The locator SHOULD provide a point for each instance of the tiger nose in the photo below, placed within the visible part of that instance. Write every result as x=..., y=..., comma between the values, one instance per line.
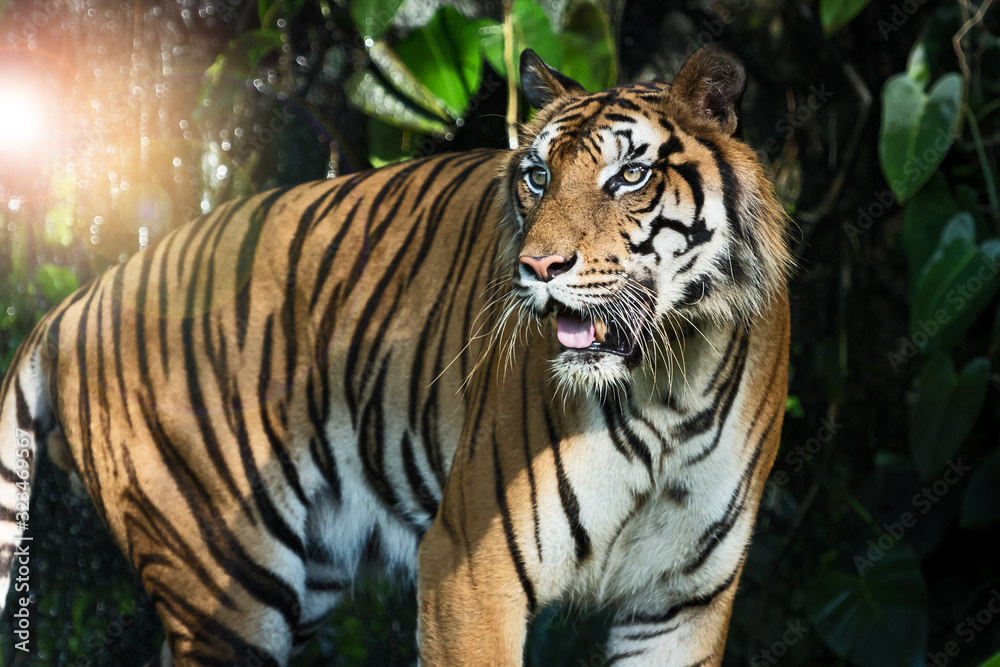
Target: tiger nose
x=547, y=268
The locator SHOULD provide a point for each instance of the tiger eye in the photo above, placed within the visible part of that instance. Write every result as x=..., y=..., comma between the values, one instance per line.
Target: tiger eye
x=633, y=174
x=538, y=177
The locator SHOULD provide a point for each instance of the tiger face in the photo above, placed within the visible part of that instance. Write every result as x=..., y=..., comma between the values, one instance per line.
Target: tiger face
x=637, y=213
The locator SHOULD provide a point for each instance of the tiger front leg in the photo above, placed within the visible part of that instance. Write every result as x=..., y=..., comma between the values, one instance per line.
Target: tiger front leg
x=473, y=605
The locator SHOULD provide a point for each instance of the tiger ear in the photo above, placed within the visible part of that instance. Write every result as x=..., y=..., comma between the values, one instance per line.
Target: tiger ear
x=711, y=83
x=542, y=84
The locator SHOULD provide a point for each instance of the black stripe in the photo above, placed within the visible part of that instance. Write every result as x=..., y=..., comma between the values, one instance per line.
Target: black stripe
x=164, y=254
x=366, y=321
x=117, y=294
x=727, y=395
x=612, y=659
x=89, y=472
x=269, y=514
x=245, y=261
x=620, y=118
x=416, y=481
x=528, y=461
x=638, y=618
x=371, y=450
x=328, y=462
x=330, y=254
x=508, y=530
x=262, y=584
x=278, y=448
x=730, y=188
x=22, y=411
x=207, y=633
x=567, y=497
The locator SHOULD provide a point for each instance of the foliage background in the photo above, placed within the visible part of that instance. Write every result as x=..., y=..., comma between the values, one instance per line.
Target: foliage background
x=876, y=542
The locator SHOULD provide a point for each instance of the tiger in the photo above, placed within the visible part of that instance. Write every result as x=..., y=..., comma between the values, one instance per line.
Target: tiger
x=552, y=374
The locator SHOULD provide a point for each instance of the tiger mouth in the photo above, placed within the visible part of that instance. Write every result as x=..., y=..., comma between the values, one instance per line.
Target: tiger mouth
x=577, y=330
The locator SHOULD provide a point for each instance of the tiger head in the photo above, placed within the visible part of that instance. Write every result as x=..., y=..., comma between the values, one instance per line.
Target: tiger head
x=635, y=212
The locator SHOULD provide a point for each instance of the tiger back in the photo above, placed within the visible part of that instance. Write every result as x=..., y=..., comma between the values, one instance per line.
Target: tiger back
x=524, y=377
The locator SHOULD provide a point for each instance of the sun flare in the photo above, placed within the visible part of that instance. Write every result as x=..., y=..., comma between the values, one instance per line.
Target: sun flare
x=22, y=118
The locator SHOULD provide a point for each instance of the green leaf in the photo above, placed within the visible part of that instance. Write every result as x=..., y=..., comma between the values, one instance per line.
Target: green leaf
x=367, y=93
x=968, y=200
x=531, y=30
x=793, y=406
x=55, y=282
x=945, y=411
x=835, y=14
x=877, y=619
x=257, y=44
x=588, y=48
x=992, y=662
x=918, y=66
x=917, y=130
x=923, y=221
x=388, y=144
x=955, y=285
x=373, y=17
x=444, y=56
x=399, y=75
x=981, y=502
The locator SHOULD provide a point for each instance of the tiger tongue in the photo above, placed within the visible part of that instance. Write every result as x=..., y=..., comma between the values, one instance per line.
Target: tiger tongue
x=575, y=331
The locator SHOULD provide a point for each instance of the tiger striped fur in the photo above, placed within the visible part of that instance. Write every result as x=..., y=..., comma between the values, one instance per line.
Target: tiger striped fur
x=364, y=371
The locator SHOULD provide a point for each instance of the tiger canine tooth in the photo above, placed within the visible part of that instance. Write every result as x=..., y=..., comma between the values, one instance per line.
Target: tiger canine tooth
x=600, y=329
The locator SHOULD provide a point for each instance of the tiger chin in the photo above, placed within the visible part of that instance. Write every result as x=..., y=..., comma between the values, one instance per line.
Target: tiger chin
x=551, y=374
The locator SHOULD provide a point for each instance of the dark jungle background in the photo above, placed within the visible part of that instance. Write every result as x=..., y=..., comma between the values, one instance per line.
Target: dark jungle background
x=876, y=543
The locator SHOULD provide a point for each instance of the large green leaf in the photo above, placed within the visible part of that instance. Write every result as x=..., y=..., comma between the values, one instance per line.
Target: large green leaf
x=388, y=144
x=878, y=619
x=945, y=412
x=917, y=129
x=531, y=30
x=55, y=282
x=923, y=221
x=445, y=56
x=367, y=93
x=956, y=284
x=373, y=16
x=835, y=14
x=981, y=502
x=588, y=48
x=398, y=73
